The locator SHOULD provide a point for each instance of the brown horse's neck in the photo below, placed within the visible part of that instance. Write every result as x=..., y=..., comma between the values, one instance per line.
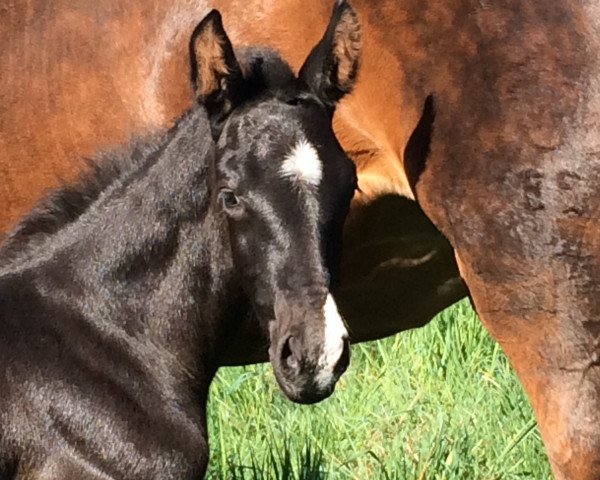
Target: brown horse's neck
x=144, y=91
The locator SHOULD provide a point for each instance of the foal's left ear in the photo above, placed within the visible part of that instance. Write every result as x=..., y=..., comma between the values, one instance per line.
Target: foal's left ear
x=216, y=73
x=332, y=67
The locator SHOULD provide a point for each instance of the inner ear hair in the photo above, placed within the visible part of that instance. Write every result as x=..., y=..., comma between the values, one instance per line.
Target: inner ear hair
x=347, y=44
x=212, y=57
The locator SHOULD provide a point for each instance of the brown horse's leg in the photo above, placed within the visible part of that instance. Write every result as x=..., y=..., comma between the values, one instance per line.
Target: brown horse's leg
x=524, y=223
x=545, y=318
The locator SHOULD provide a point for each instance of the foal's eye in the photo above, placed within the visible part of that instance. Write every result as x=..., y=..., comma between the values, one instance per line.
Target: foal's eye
x=228, y=198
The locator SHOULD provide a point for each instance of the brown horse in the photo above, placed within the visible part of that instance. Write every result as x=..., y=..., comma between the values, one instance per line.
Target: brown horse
x=485, y=112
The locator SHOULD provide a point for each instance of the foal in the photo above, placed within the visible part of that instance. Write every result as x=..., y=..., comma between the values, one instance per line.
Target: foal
x=117, y=296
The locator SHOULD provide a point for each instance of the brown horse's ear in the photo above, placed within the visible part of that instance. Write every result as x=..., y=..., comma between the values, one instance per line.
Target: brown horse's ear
x=332, y=67
x=215, y=70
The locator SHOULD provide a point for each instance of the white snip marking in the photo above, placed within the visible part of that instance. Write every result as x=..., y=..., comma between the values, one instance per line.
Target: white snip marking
x=335, y=336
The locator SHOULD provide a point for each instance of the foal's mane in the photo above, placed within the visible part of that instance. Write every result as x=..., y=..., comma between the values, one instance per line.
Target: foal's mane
x=263, y=70
x=69, y=201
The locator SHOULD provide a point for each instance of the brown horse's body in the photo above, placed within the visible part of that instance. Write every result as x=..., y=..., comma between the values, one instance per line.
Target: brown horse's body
x=486, y=111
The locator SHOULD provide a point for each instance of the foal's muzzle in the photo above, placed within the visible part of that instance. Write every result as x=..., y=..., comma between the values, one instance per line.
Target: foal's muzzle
x=309, y=350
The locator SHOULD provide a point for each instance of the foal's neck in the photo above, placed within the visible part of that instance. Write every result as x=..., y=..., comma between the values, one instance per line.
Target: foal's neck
x=149, y=262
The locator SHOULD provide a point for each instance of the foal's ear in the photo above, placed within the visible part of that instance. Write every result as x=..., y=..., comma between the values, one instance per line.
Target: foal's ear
x=331, y=68
x=216, y=74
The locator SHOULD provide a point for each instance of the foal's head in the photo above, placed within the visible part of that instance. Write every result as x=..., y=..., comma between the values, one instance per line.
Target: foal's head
x=284, y=185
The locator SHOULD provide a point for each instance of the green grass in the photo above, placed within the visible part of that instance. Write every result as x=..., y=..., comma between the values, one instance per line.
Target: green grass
x=440, y=402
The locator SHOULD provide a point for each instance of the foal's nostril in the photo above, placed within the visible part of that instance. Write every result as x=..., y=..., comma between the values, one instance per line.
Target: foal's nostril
x=289, y=357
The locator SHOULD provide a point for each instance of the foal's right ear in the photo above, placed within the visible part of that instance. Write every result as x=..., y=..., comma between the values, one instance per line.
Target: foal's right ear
x=216, y=73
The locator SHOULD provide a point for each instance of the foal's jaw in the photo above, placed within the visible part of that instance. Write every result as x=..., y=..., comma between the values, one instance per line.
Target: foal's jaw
x=310, y=349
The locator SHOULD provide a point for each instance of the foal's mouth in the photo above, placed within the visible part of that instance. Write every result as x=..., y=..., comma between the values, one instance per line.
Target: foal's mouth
x=307, y=383
x=310, y=349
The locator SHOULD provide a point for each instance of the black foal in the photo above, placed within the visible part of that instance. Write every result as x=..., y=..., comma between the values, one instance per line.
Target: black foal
x=117, y=295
